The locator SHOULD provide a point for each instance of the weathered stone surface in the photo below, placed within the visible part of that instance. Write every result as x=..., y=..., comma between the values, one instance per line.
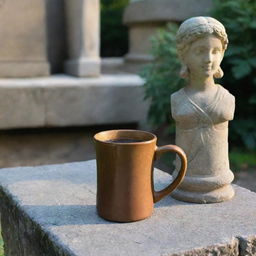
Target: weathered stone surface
x=23, y=51
x=83, y=38
x=247, y=246
x=54, y=208
x=67, y=101
x=21, y=105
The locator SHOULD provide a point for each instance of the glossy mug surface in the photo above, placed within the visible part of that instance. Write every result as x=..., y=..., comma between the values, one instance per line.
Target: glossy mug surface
x=125, y=186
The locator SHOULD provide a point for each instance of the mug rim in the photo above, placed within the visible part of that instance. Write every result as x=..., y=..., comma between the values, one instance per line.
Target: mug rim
x=147, y=141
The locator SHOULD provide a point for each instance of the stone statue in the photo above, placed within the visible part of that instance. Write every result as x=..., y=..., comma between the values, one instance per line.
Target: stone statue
x=201, y=111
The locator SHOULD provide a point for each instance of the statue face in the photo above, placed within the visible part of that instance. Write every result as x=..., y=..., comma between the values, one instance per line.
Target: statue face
x=204, y=56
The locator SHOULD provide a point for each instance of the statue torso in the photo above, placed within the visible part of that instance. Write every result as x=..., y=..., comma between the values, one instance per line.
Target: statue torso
x=201, y=129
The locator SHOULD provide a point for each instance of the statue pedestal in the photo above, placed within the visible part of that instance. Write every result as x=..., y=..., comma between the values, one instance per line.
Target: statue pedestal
x=203, y=189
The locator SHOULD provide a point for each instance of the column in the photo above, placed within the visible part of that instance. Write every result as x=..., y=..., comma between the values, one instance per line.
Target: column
x=83, y=38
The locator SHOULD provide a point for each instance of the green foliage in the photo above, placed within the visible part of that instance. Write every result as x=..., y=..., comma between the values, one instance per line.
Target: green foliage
x=162, y=77
x=239, y=64
x=114, y=35
x=242, y=159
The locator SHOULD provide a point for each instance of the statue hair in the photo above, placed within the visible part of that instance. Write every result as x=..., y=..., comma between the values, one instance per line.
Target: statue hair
x=194, y=28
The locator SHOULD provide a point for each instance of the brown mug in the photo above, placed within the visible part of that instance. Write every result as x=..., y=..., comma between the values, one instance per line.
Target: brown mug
x=125, y=186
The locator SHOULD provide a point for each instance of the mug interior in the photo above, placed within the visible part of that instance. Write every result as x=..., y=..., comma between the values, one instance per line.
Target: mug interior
x=113, y=136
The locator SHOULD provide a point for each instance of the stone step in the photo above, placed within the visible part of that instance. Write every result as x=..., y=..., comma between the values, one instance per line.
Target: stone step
x=62, y=100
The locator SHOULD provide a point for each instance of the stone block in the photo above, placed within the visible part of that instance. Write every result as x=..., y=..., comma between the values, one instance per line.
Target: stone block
x=50, y=210
x=139, y=48
x=63, y=100
x=164, y=10
x=108, y=99
x=23, y=51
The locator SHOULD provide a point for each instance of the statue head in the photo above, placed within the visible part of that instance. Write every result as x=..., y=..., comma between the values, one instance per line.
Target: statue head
x=197, y=28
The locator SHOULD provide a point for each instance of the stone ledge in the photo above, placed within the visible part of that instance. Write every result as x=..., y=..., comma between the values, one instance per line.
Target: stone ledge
x=24, y=69
x=164, y=10
x=50, y=210
x=63, y=100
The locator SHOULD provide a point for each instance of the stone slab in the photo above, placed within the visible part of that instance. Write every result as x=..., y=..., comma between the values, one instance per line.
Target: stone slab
x=21, y=106
x=63, y=100
x=23, y=51
x=50, y=210
x=164, y=10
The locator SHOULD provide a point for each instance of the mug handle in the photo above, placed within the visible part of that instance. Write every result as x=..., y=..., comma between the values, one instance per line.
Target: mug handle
x=158, y=195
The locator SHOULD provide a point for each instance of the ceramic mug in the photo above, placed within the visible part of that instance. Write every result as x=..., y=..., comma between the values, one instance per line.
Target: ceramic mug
x=125, y=186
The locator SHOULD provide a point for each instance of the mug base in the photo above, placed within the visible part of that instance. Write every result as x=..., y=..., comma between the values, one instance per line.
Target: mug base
x=122, y=219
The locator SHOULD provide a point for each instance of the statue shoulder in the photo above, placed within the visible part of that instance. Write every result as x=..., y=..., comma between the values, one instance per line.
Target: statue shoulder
x=176, y=96
x=226, y=93
x=228, y=100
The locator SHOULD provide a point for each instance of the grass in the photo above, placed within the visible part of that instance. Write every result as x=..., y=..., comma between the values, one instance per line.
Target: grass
x=242, y=159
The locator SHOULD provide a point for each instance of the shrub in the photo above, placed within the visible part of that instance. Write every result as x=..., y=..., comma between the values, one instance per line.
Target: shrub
x=114, y=35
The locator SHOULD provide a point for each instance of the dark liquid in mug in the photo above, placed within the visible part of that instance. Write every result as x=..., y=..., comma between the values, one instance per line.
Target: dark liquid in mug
x=123, y=141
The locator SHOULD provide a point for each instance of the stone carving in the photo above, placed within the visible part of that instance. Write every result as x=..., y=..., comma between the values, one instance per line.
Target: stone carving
x=201, y=111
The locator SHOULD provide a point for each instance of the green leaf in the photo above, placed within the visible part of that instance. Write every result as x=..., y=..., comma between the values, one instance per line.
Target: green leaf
x=252, y=61
x=241, y=70
x=253, y=24
x=252, y=100
x=250, y=140
x=234, y=50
